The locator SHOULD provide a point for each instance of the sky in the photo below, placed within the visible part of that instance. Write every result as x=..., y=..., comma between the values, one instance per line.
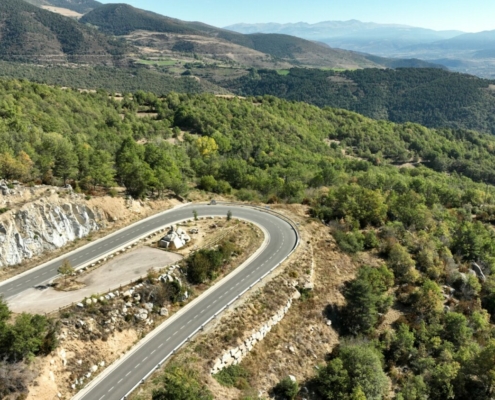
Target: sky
x=464, y=15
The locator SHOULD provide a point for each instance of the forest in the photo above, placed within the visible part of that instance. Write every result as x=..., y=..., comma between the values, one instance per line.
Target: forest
x=431, y=97
x=420, y=200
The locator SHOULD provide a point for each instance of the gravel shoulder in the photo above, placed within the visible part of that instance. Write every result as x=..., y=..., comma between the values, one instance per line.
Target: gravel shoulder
x=118, y=272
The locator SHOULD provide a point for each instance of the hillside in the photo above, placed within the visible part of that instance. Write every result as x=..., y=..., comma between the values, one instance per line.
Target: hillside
x=79, y=6
x=403, y=265
x=32, y=34
x=431, y=97
x=354, y=35
x=205, y=40
x=471, y=53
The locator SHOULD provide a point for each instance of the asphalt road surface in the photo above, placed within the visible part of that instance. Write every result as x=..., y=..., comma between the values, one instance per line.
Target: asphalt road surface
x=121, y=378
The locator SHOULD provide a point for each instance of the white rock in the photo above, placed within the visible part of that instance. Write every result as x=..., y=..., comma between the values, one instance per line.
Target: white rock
x=43, y=227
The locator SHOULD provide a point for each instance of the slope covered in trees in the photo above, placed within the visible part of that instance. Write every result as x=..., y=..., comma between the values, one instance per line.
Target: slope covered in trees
x=428, y=230
x=80, y=6
x=431, y=97
x=265, y=145
x=32, y=34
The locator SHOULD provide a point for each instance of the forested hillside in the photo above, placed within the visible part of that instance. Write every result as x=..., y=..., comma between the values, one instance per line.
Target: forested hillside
x=421, y=201
x=80, y=6
x=431, y=97
x=32, y=34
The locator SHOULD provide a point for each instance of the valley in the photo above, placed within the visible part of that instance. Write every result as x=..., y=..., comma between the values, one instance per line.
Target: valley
x=267, y=211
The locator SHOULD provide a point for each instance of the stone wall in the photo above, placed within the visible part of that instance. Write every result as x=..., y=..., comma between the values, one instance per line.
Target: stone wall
x=235, y=355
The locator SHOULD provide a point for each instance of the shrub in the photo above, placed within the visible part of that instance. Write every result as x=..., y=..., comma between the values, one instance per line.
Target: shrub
x=233, y=376
x=351, y=242
x=286, y=389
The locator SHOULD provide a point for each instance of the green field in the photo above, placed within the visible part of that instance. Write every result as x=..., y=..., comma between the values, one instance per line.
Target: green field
x=283, y=72
x=161, y=63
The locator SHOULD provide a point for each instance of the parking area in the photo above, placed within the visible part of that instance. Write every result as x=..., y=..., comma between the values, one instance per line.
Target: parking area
x=120, y=271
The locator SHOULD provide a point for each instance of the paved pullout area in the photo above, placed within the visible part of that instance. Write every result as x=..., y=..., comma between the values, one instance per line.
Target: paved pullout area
x=119, y=379
x=120, y=271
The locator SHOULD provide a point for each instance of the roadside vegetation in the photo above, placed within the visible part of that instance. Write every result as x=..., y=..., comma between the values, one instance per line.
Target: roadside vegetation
x=420, y=200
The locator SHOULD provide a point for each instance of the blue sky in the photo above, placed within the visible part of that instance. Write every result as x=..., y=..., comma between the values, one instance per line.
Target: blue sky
x=465, y=15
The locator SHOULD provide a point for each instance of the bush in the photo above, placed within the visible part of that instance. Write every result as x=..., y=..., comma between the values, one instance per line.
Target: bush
x=371, y=240
x=351, y=242
x=286, y=389
x=181, y=384
x=233, y=376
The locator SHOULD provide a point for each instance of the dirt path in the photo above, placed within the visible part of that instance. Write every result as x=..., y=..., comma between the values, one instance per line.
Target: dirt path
x=118, y=272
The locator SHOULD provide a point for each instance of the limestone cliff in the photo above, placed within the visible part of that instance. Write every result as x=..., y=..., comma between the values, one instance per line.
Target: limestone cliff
x=45, y=224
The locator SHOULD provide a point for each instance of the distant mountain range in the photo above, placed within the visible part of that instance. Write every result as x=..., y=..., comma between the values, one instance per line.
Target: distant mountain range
x=122, y=19
x=464, y=52
x=369, y=37
x=103, y=32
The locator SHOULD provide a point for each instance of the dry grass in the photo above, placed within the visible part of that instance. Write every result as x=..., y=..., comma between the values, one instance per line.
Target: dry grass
x=302, y=339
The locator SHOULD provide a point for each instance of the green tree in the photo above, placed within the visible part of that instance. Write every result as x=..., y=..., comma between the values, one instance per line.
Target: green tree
x=366, y=297
x=401, y=262
x=357, y=366
x=100, y=168
x=286, y=389
x=333, y=381
x=65, y=270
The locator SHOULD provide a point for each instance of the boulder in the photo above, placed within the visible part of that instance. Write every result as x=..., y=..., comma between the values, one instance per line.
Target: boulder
x=148, y=306
x=141, y=315
x=164, y=312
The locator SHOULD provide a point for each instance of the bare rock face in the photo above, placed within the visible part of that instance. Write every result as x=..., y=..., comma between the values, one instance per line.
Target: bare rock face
x=44, y=225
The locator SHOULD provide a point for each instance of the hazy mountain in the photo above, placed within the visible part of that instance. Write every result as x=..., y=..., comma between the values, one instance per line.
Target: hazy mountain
x=355, y=35
x=472, y=53
x=79, y=6
x=122, y=19
x=189, y=37
x=30, y=33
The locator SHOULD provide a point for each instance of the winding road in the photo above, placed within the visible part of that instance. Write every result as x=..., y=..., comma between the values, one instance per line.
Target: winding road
x=126, y=374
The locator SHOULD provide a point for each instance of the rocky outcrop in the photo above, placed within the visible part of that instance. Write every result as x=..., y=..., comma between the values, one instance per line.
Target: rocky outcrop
x=45, y=225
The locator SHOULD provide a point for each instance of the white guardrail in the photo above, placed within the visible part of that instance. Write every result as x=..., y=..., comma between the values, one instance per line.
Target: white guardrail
x=159, y=365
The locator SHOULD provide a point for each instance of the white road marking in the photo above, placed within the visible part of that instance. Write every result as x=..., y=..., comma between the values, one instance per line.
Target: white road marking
x=144, y=359
x=128, y=373
x=111, y=389
x=162, y=343
x=120, y=380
